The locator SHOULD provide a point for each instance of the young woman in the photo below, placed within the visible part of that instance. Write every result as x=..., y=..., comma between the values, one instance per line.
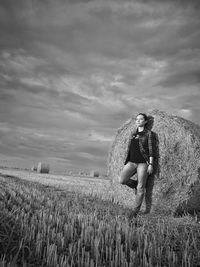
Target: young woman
x=139, y=159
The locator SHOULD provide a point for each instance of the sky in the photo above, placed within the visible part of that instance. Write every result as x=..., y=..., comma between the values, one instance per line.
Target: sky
x=72, y=72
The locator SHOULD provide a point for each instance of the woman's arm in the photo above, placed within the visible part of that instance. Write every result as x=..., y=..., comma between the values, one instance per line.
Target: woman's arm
x=150, y=166
x=151, y=153
x=150, y=144
x=151, y=160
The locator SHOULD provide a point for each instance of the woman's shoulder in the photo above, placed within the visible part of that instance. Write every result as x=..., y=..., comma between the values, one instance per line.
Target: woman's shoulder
x=148, y=131
x=134, y=132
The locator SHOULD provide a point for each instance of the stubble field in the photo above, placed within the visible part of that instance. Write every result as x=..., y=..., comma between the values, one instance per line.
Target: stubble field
x=49, y=220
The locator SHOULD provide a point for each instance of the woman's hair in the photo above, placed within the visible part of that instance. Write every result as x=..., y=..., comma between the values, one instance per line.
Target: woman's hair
x=144, y=115
x=146, y=119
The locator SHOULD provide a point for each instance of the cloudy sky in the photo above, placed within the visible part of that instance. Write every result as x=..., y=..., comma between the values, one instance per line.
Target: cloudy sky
x=72, y=72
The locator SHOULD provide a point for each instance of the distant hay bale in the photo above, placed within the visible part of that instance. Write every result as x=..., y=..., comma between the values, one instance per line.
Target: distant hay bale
x=94, y=173
x=43, y=167
x=70, y=173
x=33, y=168
x=175, y=184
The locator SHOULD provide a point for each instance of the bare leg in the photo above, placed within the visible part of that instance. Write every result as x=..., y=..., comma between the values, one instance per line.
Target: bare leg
x=142, y=178
x=128, y=171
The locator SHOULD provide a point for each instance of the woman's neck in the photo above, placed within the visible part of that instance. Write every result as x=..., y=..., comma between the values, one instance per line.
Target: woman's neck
x=140, y=129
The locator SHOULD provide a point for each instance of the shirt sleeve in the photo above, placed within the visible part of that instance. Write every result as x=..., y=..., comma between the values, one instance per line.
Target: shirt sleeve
x=150, y=144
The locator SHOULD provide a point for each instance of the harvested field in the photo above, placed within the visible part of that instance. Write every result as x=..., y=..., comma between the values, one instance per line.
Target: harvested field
x=84, y=184
x=87, y=185
x=42, y=225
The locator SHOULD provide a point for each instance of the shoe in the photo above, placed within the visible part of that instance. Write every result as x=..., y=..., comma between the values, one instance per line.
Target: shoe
x=132, y=183
x=132, y=215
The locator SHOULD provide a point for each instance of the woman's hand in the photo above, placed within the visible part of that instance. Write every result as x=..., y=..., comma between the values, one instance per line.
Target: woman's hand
x=150, y=169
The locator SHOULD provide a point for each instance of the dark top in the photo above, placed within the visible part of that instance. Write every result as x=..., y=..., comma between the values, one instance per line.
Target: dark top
x=134, y=152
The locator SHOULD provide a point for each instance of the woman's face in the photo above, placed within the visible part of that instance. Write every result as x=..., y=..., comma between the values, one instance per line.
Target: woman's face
x=140, y=121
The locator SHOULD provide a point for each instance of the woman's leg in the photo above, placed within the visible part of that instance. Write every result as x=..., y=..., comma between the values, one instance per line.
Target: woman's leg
x=128, y=171
x=142, y=178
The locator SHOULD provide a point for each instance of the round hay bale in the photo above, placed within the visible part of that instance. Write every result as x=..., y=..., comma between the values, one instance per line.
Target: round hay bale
x=33, y=168
x=94, y=173
x=175, y=183
x=43, y=167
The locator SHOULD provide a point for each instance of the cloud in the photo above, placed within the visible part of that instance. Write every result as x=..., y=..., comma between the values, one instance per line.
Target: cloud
x=186, y=113
x=182, y=70
x=72, y=72
x=184, y=79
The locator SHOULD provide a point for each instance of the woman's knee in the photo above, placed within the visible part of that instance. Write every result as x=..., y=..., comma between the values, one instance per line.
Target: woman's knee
x=122, y=178
x=128, y=171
